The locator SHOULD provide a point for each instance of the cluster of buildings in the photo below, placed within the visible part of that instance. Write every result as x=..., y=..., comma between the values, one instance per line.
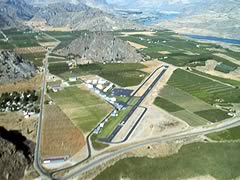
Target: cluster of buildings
x=24, y=102
x=105, y=89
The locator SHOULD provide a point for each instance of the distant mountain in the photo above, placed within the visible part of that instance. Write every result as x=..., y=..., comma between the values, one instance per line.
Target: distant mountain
x=219, y=18
x=101, y=4
x=13, y=12
x=101, y=47
x=205, y=17
x=81, y=17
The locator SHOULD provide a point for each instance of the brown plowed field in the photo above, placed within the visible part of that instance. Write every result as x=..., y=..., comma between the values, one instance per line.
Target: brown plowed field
x=59, y=135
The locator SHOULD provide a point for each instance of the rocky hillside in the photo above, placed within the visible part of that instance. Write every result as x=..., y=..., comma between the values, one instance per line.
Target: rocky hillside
x=81, y=17
x=219, y=18
x=101, y=47
x=14, y=12
x=16, y=154
x=14, y=68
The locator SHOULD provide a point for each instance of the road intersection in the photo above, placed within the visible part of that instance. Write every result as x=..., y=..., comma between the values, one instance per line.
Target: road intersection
x=92, y=162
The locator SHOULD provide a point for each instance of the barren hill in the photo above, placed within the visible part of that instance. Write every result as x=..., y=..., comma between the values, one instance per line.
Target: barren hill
x=101, y=47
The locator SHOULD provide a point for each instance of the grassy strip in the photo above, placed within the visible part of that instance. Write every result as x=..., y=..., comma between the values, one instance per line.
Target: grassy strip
x=113, y=122
x=230, y=134
x=167, y=105
x=97, y=145
x=198, y=159
x=213, y=115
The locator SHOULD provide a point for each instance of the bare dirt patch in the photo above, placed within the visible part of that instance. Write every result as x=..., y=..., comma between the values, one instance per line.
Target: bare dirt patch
x=217, y=50
x=16, y=121
x=210, y=69
x=202, y=178
x=41, y=24
x=224, y=56
x=30, y=50
x=151, y=66
x=60, y=136
x=48, y=44
x=165, y=52
x=31, y=84
x=157, y=122
x=137, y=46
x=146, y=33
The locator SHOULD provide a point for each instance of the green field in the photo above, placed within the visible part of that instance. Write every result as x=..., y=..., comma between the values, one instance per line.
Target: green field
x=125, y=74
x=97, y=145
x=224, y=68
x=113, y=122
x=188, y=104
x=205, y=89
x=190, y=118
x=213, y=115
x=167, y=105
x=54, y=60
x=198, y=159
x=224, y=80
x=20, y=39
x=35, y=58
x=82, y=107
x=6, y=45
x=65, y=37
x=230, y=134
x=183, y=51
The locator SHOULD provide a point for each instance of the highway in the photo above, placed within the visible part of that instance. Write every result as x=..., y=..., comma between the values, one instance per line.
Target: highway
x=37, y=154
x=204, y=130
x=91, y=162
x=126, y=118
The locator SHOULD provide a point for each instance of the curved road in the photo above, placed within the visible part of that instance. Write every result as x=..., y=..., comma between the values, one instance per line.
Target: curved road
x=177, y=136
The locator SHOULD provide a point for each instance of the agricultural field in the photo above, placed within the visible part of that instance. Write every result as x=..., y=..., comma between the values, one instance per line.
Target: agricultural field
x=19, y=38
x=60, y=136
x=177, y=49
x=220, y=161
x=121, y=74
x=188, y=98
x=230, y=134
x=167, y=105
x=184, y=105
x=225, y=68
x=224, y=80
x=213, y=115
x=56, y=60
x=203, y=88
x=82, y=107
x=65, y=37
x=35, y=58
x=6, y=45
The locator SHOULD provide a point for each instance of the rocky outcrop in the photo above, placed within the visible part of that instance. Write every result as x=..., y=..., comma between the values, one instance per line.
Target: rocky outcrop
x=14, y=12
x=16, y=154
x=14, y=68
x=101, y=47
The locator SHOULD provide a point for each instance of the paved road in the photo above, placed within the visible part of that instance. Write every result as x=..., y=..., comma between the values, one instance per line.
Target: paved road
x=37, y=154
x=126, y=118
x=91, y=164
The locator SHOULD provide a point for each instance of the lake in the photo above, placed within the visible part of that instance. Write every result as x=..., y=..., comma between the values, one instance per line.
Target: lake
x=212, y=38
